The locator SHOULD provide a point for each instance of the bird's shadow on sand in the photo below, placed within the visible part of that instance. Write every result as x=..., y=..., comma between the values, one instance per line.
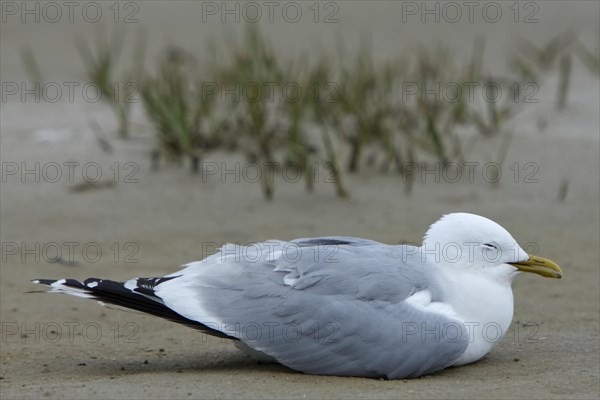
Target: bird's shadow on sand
x=226, y=362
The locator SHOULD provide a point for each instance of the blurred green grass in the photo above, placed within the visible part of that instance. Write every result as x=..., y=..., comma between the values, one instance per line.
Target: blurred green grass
x=312, y=110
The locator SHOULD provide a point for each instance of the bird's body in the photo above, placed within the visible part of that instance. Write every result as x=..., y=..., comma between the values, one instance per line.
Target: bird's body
x=345, y=306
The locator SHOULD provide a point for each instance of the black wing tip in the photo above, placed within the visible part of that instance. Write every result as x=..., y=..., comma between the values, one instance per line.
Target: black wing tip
x=112, y=292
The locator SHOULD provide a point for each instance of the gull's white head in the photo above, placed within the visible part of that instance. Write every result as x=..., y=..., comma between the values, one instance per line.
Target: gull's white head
x=472, y=242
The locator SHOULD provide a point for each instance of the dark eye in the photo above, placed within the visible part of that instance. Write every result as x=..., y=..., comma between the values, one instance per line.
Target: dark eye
x=490, y=246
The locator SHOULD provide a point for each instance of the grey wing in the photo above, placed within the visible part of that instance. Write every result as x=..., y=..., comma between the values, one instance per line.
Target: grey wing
x=339, y=313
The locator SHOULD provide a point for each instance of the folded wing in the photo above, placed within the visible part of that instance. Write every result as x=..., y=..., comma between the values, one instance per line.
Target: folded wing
x=335, y=305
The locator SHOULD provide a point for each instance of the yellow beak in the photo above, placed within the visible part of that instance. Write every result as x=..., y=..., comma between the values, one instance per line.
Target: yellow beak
x=540, y=266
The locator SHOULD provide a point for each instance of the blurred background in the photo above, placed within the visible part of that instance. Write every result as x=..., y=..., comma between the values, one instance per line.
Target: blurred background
x=137, y=136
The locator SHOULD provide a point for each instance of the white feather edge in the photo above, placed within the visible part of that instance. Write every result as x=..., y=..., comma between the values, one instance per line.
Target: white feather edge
x=59, y=287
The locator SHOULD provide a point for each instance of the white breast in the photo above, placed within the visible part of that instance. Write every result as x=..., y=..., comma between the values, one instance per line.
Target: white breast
x=485, y=307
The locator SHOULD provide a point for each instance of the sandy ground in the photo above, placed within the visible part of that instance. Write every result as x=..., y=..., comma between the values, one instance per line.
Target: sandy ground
x=59, y=347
